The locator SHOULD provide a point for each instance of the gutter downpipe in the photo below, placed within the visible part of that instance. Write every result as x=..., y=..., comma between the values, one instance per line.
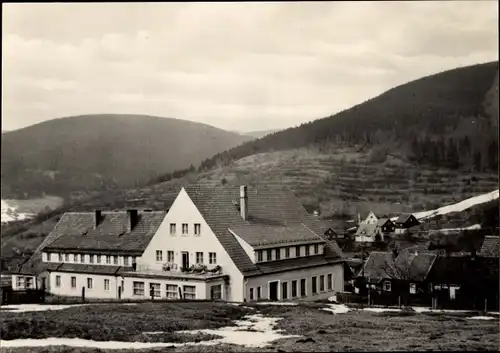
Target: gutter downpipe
x=245, y=290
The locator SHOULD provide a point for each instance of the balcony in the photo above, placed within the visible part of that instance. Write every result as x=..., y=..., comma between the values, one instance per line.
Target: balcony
x=172, y=270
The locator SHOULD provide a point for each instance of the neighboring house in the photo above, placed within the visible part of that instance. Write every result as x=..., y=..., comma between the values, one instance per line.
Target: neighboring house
x=385, y=225
x=328, y=231
x=369, y=218
x=407, y=273
x=228, y=243
x=405, y=222
x=490, y=247
x=367, y=233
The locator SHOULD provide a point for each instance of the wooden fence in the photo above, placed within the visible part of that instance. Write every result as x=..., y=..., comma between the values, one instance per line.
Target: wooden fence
x=28, y=296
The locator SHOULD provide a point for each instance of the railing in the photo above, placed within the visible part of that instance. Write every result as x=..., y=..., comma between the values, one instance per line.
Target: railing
x=173, y=267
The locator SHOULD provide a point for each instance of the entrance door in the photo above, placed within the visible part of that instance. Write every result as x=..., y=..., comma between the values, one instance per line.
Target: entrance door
x=185, y=259
x=273, y=290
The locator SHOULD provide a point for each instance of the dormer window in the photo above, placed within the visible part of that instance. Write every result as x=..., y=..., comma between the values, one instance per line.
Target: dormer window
x=308, y=250
x=278, y=254
x=297, y=251
x=316, y=249
x=287, y=253
x=269, y=254
x=259, y=255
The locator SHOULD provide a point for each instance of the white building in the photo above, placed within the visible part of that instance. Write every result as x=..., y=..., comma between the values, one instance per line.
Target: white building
x=245, y=244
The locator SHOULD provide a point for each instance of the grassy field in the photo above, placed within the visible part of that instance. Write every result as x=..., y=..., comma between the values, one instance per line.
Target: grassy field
x=319, y=330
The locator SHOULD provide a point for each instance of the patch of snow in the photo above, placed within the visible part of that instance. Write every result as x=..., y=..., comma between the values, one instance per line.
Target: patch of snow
x=337, y=308
x=473, y=227
x=333, y=298
x=481, y=318
x=262, y=334
x=457, y=207
x=25, y=308
x=9, y=213
x=381, y=310
x=419, y=309
x=277, y=303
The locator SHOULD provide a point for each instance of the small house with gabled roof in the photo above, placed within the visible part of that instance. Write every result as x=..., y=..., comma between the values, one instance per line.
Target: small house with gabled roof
x=405, y=222
x=215, y=242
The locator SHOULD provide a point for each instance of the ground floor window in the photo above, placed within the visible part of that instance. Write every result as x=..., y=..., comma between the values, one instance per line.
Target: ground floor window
x=106, y=284
x=284, y=290
x=413, y=288
x=329, y=281
x=90, y=283
x=251, y=294
x=387, y=286
x=216, y=292
x=58, y=281
x=303, y=292
x=189, y=292
x=20, y=282
x=294, y=289
x=154, y=290
x=138, y=288
x=73, y=282
x=321, y=283
x=259, y=294
x=172, y=291
x=29, y=283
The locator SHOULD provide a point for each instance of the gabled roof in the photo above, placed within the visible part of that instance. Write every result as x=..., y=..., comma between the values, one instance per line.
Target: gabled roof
x=490, y=247
x=377, y=265
x=258, y=235
x=383, y=221
x=406, y=266
x=364, y=215
x=325, y=224
x=75, y=231
x=403, y=218
x=366, y=229
x=267, y=206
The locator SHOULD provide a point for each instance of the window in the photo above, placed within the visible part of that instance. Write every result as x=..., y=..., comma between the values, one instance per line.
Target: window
x=387, y=286
x=284, y=290
x=91, y=259
x=115, y=260
x=66, y=257
x=125, y=261
x=154, y=290
x=297, y=251
x=199, y=257
x=58, y=281
x=307, y=250
x=73, y=282
x=20, y=282
x=138, y=288
x=314, y=285
x=108, y=259
x=413, y=288
x=49, y=256
x=287, y=253
x=90, y=283
x=321, y=283
x=29, y=282
x=185, y=228
x=216, y=292
x=316, y=249
x=172, y=291
x=106, y=284
x=60, y=258
x=251, y=294
x=159, y=255
x=278, y=254
x=212, y=258
x=172, y=229
x=329, y=281
x=303, y=291
x=294, y=289
x=98, y=259
x=269, y=254
x=259, y=255
x=258, y=293
x=197, y=229
x=77, y=257
x=189, y=292
x=170, y=256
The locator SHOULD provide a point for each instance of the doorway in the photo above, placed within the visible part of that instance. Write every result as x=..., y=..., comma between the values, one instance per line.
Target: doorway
x=273, y=290
x=185, y=259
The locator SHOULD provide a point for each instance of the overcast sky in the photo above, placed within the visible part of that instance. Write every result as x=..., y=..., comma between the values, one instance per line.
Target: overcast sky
x=237, y=66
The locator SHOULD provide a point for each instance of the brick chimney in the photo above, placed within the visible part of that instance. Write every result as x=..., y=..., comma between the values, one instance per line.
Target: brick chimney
x=97, y=218
x=244, y=202
x=132, y=218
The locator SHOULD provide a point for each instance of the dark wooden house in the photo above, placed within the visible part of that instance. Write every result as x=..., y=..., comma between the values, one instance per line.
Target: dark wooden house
x=405, y=222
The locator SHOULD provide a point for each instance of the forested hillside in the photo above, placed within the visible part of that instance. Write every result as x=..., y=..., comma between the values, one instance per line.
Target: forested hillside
x=447, y=119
